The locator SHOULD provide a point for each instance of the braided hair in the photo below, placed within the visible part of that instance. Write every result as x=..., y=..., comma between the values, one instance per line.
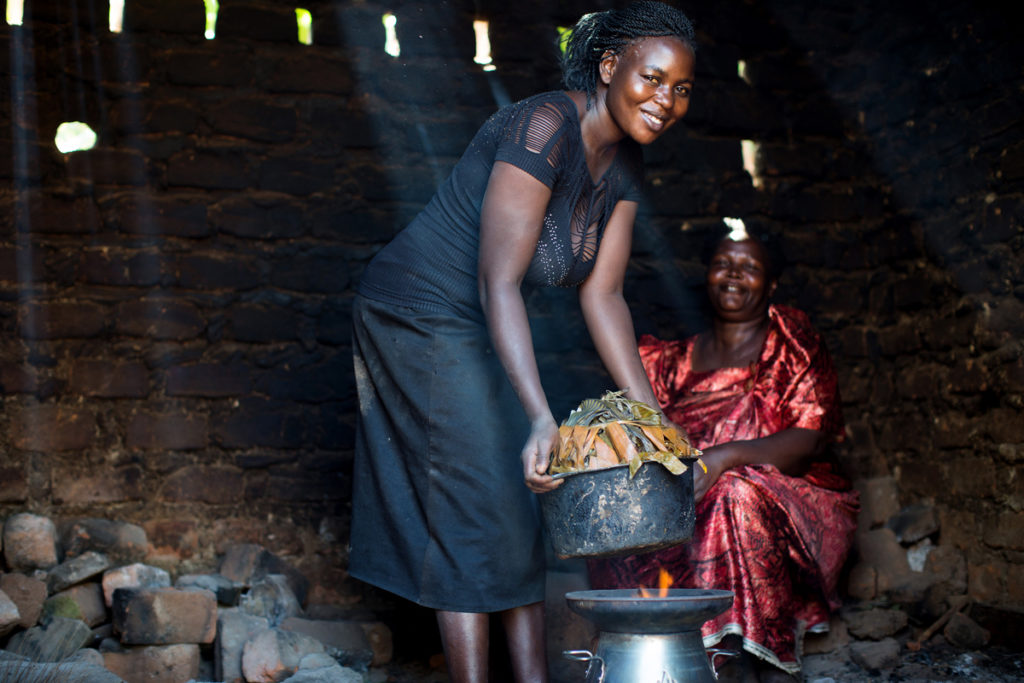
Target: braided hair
x=612, y=31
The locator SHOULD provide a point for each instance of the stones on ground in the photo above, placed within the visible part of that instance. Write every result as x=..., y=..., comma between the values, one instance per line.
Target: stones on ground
x=271, y=597
x=247, y=563
x=29, y=542
x=28, y=594
x=875, y=624
x=60, y=638
x=234, y=629
x=164, y=616
x=914, y=523
x=121, y=542
x=318, y=668
x=88, y=597
x=10, y=617
x=135, y=575
x=75, y=672
x=837, y=636
x=155, y=663
x=345, y=641
x=76, y=570
x=875, y=654
x=963, y=632
x=227, y=591
x=273, y=655
x=381, y=642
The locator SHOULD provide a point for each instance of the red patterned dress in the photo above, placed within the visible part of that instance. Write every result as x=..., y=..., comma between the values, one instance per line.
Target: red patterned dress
x=778, y=542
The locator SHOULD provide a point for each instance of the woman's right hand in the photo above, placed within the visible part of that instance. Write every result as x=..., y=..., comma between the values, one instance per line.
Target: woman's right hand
x=715, y=459
x=536, y=455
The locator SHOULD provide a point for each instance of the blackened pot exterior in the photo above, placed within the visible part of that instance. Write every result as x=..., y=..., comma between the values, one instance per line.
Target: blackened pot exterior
x=601, y=513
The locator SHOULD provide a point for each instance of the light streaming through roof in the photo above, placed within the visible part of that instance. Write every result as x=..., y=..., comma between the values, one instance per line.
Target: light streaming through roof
x=74, y=136
x=304, y=18
x=737, y=230
x=483, y=45
x=750, y=149
x=115, y=16
x=15, y=12
x=212, y=6
x=391, y=45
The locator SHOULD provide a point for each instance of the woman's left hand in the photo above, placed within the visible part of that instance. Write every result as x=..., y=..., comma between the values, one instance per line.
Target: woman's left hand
x=536, y=456
x=715, y=459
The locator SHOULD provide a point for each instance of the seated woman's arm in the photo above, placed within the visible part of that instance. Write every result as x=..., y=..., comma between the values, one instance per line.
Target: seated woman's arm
x=789, y=450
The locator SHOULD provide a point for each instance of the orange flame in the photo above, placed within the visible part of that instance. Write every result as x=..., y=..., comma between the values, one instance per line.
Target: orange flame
x=664, y=583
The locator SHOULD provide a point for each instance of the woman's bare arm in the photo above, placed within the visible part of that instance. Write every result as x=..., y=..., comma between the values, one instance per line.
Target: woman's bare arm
x=510, y=226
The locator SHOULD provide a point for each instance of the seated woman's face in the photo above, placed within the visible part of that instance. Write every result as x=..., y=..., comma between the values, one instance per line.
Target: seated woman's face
x=737, y=280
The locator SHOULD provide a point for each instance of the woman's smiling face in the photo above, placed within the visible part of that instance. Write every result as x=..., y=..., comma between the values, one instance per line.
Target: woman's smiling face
x=649, y=86
x=738, y=282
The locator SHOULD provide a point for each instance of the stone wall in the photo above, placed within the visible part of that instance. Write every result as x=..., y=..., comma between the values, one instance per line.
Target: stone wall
x=174, y=303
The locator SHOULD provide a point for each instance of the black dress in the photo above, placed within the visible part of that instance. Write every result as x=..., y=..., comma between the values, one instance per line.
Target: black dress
x=441, y=515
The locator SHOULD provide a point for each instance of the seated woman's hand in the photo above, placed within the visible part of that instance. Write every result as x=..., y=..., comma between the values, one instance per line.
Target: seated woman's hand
x=716, y=459
x=536, y=455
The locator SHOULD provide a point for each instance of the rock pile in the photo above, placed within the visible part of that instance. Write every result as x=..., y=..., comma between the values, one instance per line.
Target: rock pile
x=902, y=589
x=81, y=606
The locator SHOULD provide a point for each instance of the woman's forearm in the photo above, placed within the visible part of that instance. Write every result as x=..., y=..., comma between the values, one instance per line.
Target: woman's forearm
x=611, y=329
x=788, y=450
x=509, y=329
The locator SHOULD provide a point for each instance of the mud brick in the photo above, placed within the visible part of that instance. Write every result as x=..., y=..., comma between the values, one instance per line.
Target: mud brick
x=121, y=268
x=109, y=166
x=250, y=22
x=135, y=575
x=17, y=378
x=301, y=177
x=307, y=74
x=880, y=654
x=208, y=170
x=972, y=477
x=213, y=485
x=53, y=428
x=164, y=616
x=63, y=216
x=122, y=542
x=155, y=664
x=210, y=380
x=167, y=432
x=862, y=583
x=254, y=118
x=255, y=423
x=259, y=218
x=880, y=549
x=29, y=542
x=985, y=581
x=15, y=488
x=179, y=216
x=318, y=273
x=89, y=599
x=914, y=523
x=176, y=539
x=1004, y=425
x=879, y=500
x=27, y=593
x=217, y=271
x=963, y=632
x=260, y=324
x=234, y=629
x=62, y=320
x=160, y=319
x=109, y=379
x=207, y=67
x=76, y=570
x=114, y=485
x=18, y=264
x=1004, y=530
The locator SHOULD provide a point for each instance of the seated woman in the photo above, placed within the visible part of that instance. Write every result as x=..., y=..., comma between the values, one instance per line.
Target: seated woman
x=757, y=393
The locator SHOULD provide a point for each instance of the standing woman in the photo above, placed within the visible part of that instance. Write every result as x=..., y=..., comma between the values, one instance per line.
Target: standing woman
x=449, y=391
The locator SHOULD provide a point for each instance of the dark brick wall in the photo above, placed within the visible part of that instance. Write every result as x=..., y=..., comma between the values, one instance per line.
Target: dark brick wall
x=174, y=303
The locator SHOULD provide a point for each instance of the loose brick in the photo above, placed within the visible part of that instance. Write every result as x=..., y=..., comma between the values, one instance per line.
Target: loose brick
x=15, y=488
x=210, y=380
x=273, y=655
x=167, y=431
x=76, y=569
x=247, y=563
x=213, y=485
x=160, y=319
x=345, y=641
x=109, y=379
x=10, y=617
x=234, y=629
x=155, y=664
x=29, y=542
x=175, y=539
x=89, y=599
x=135, y=575
x=59, y=639
x=28, y=593
x=164, y=616
x=121, y=542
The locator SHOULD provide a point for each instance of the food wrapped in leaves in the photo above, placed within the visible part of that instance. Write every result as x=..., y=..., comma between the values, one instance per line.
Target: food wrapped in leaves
x=614, y=430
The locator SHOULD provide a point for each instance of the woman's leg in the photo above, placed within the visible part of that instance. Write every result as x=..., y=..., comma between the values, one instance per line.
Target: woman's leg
x=464, y=636
x=524, y=627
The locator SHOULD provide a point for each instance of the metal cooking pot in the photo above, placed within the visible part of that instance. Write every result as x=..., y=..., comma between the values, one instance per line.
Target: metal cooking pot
x=600, y=513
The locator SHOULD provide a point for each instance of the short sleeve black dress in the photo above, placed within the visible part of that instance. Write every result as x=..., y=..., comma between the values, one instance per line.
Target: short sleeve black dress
x=441, y=515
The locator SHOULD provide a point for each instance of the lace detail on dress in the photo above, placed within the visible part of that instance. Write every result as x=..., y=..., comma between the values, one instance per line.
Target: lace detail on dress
x=537, y=131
